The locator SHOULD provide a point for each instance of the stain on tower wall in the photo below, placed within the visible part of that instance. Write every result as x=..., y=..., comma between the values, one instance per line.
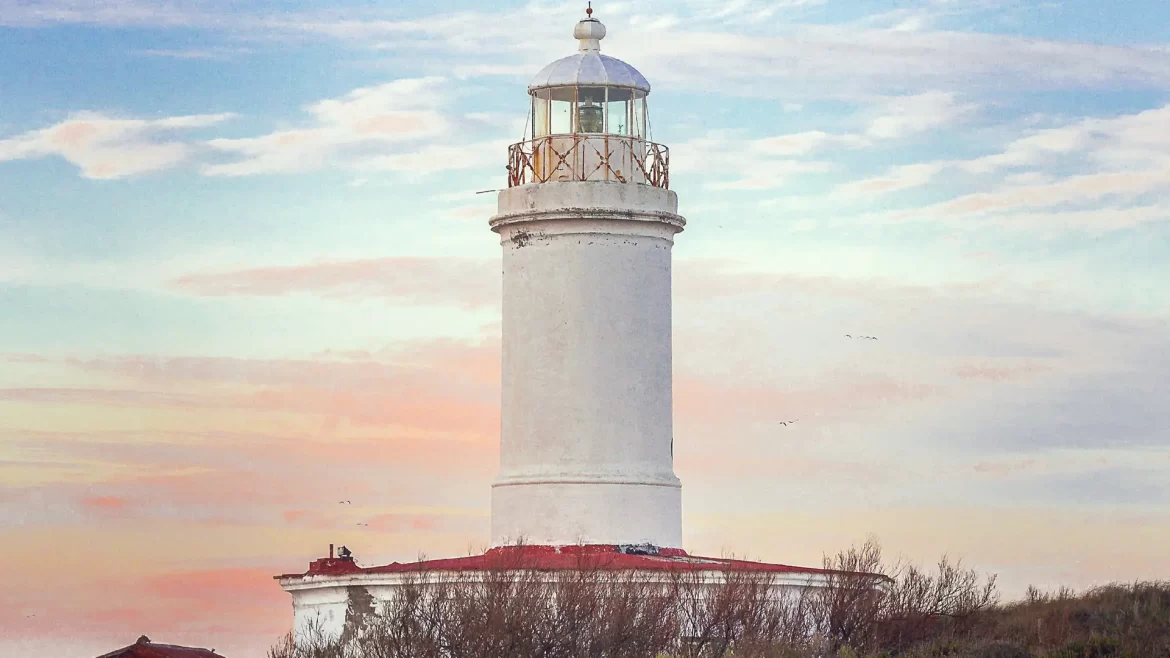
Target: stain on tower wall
x=359, y=612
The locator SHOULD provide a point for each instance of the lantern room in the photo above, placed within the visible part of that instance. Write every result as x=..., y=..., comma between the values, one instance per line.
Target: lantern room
x=588, y=120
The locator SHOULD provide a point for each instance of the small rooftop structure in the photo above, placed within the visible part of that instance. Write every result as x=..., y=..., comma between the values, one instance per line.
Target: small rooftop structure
x=144, y=648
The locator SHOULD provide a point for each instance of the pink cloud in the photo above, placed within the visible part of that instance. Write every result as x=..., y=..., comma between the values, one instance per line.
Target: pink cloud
x=295, y=515
x=700, y=399
x=250, y=585
x=400, y=522
x=105, y=503
x=467, y=283
x=443, y=385
x=104, y=147
x=111, y=397
x=221, y=608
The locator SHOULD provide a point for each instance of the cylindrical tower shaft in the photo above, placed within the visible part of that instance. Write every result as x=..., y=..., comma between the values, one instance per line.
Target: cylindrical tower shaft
x=586, y=440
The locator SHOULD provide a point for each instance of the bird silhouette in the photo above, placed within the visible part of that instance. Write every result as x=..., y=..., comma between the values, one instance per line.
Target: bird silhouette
x=848, y=336
x=343, y=502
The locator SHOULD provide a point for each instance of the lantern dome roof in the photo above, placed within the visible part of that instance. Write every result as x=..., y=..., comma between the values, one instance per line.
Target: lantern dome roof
x=589, y=68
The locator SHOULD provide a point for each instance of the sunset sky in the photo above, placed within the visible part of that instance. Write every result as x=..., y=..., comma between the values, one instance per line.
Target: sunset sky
x=244, y=274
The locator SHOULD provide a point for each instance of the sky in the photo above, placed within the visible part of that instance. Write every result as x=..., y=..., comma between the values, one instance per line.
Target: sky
x=245, y=274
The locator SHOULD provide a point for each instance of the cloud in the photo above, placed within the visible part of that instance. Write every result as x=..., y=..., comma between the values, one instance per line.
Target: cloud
x=1093, y=174
x=902, y=177
x=899, y=117
x=34, y=13
x=1123, y=141
x=392, y=126
x=729, y=47
x=105, y=503
x=467, y=283
x=769, y=162
x=806, y=142
x=439, y=388
x=212, y=53
x=398, y=126
x=102, y=396
x=1080, y=189
x=109, y=148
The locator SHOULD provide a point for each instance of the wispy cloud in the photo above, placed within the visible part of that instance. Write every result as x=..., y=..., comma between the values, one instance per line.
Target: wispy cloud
x=418, y=280
x=105, y=147
x=902, y=116
x=363, y=124
x=703, y=44
x=211, y=53
x=769, y=162
x=33, y=13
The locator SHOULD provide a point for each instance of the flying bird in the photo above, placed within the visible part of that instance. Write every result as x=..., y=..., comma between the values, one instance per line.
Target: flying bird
x=343, y=502
x=786, y=423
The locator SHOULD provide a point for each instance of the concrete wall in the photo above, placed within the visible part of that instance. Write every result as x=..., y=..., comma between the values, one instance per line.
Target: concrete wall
x=586, y=436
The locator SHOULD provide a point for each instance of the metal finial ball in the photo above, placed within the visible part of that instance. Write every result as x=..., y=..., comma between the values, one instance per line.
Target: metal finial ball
x=589, y=9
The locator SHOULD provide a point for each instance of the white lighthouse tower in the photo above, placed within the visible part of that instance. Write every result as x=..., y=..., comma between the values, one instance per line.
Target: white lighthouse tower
x=586, y=445
x=587, y=226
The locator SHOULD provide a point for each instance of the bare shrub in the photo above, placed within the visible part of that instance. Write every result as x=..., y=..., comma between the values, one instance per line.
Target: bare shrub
x=594, y=612
x=1134, y=616
x=311, y=642
x=847, y=609
x=919, y=605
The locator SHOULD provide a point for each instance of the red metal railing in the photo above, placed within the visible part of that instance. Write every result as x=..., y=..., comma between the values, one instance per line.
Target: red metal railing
x=583, y=157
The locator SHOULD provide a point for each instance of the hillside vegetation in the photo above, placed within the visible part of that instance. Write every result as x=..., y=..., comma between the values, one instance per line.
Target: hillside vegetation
x=944, y=611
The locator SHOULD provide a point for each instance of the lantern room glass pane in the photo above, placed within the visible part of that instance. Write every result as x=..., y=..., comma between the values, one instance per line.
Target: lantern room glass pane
x=617, y=118
x=591, y=109
x=540, y=115
x=560, y=117
x=638, y=128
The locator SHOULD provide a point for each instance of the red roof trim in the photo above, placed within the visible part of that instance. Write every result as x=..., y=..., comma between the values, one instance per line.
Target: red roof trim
x=557, y=558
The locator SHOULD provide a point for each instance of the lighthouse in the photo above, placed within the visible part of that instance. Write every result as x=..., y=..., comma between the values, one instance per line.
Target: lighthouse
x=586, y=226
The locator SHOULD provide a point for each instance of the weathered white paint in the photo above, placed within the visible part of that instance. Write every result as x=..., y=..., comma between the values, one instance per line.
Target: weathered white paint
x=318, y=604
x=585, y=444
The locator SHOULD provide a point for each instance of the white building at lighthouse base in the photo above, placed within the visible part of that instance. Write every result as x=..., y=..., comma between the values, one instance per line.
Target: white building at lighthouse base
x=324, y=596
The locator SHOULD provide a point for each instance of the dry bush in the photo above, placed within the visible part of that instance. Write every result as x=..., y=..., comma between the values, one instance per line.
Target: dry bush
x=847, y=609
x=940, y=606
x=594, y=612
x=1135, y=616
